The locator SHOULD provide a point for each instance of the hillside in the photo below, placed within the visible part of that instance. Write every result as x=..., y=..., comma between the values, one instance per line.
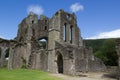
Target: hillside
x=104, y=49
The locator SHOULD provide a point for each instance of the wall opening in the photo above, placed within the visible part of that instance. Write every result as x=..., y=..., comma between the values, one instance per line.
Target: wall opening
x=32, y=21
x=64, y=33
x=43, y=41
x=45, y=27
x=60, y=63
x=45, y=22
x=71, y=33
x=7, y=54
x=0, y=52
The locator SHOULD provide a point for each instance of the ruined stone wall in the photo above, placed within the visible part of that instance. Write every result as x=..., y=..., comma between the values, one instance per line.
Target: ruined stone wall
x=41, y=29
x=25, y=31
x=68, y=58
x=38, y=57
x=38, y=60
x=65, y=52
x=94, y=63
x=4, y=52
x=17, y=56
x=85, y=61
x=80, y=63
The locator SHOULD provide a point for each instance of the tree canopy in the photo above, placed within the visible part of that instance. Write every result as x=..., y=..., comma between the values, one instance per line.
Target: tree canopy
x=104, y=49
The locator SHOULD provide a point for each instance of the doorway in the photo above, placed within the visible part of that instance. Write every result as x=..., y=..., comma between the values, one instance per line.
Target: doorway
x=60, y=63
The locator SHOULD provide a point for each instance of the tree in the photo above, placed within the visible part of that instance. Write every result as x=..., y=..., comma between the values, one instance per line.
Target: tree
x=107, y=52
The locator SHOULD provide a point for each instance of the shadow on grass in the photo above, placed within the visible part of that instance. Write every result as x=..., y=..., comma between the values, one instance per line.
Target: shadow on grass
x=111, y=75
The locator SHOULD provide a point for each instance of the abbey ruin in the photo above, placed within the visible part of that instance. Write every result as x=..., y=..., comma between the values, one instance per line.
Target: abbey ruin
x=64, y=51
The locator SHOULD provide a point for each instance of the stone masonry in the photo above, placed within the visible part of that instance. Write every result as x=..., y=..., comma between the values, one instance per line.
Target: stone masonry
x=64, y=51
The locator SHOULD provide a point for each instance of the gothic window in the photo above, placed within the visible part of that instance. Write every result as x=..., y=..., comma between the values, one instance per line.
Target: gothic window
x=71, y=33
x=7, y=54
x=64, y=33
x=45, y=22
x=45, y=27
x=0, y=52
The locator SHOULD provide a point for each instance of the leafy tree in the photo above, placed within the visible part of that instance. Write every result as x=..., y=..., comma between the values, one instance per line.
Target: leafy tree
x=104, y=49
x=109, y=51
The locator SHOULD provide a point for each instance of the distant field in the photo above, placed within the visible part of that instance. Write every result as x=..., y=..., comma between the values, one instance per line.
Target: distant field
x=24, y=74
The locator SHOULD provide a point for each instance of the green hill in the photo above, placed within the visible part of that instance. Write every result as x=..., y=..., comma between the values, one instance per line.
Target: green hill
x=104, y=49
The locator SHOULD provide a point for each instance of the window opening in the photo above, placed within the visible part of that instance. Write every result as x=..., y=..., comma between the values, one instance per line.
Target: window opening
x=7, y=54
x=45, y=27
x=71, y=34
x=64, y=33
x=44, y=43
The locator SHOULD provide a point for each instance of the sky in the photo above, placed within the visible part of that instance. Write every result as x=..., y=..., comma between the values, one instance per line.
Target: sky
x=96, y=18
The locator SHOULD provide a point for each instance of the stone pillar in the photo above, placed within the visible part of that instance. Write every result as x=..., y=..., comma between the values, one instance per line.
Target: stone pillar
x=28, y=52
x=54, y=35
x=11, y=56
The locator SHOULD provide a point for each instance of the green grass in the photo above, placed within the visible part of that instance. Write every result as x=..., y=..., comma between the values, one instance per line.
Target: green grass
x=24, y=74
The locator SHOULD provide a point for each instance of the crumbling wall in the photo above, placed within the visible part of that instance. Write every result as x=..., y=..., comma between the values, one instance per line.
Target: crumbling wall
x=94, y=63
x=38, y=60
x=3, y=60
x=66, y=51
x=80, y=61
x=63, y=39
x=4, y=52
x=17, y=56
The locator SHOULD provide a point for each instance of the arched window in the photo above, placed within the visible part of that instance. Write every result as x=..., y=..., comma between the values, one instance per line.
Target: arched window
x=45, y=22
x=0, y=52
x=43, y=41
x=45, y=27
x=7, y=54
x=71, y=33
x=64, y=33
x=32, y=21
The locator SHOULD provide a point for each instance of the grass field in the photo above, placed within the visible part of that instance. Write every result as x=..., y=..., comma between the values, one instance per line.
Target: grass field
x=24, y=74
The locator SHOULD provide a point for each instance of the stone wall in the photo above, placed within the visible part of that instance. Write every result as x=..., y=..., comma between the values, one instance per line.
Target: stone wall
x=65, y=52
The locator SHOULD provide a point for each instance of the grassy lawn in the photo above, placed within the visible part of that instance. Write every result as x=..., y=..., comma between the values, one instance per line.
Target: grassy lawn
x=24, y=74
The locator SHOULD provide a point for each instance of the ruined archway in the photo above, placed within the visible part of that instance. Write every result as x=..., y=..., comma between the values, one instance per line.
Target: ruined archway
x=60, y=63
x=0, y=53
x=7, y=54
x=44, y=42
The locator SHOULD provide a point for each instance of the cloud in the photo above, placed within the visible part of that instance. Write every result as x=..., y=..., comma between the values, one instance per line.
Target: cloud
x=76, y=7
x=35, y=9
x=1, y=37
x=109, y=34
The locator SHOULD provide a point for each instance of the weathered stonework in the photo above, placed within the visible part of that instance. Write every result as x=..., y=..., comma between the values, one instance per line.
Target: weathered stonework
x=64, y=53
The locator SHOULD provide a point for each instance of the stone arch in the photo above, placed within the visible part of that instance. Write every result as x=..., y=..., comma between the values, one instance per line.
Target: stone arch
x=0, y=56
x=44, y=42
x=60, y=66
x=0, y=53
x=7, y=54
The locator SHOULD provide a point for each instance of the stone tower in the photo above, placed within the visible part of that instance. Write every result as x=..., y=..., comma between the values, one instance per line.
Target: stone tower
x=64, y=51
